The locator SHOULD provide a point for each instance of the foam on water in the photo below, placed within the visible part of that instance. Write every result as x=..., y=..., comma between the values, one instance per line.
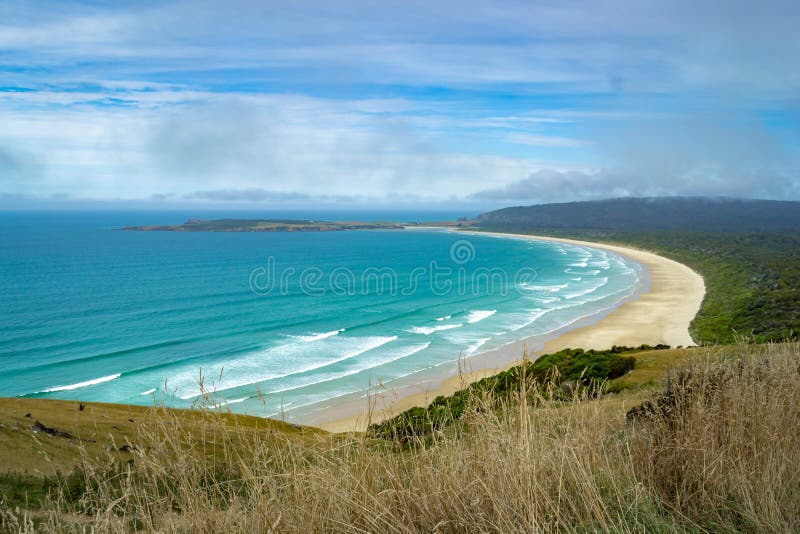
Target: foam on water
x=552, y=288
x=589, y=290
x=472, y=349
x=479, y=315
x=428, y=330
x=287, y=359
x=528, y=318
x=84, y=384
x=357, y=369
x=591, y=272
x=227, y=402
x=317, y=336
x=543, y=300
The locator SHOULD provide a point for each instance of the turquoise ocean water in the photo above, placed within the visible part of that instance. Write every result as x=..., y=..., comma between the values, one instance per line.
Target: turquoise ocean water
x=96, y=314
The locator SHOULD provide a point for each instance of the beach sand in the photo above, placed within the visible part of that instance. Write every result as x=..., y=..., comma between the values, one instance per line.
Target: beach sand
x=660, y=313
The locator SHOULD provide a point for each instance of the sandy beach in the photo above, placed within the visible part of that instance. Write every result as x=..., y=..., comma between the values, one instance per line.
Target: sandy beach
x=661, y=313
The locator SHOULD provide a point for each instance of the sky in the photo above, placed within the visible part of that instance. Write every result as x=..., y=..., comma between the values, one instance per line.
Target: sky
x=436, y=103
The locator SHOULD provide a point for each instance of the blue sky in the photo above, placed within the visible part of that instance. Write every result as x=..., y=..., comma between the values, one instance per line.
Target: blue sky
x=435, y=103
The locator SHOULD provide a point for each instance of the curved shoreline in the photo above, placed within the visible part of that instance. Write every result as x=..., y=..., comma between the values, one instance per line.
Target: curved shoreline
x=661, y=313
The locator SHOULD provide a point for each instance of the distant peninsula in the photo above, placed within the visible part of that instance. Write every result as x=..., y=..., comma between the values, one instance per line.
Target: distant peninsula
x=265, y=225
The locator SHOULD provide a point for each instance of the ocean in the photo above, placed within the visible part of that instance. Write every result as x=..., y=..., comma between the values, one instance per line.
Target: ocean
x=272, y=324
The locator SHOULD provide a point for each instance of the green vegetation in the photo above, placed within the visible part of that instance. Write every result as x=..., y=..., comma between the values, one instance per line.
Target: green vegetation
x=675, y=214
x=110, y=432
x=20, y=490
x=714, y=448
x=748, y=252
x=264, y=225
x=559, y=375
x=752, y=280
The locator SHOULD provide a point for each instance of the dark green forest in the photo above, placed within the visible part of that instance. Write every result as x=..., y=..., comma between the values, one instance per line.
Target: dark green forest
x=717, y=215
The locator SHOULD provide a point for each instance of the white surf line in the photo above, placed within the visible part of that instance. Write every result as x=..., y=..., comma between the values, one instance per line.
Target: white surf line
x=535, y=314
x=587, y=291
x=353, y=392
x=479, y=315
x=83, y=384
x=318, y=336
x=357, y=370
x=226, y=402
x=428, y=330
x=248, y=381
x=555, y=288
x=472, y=349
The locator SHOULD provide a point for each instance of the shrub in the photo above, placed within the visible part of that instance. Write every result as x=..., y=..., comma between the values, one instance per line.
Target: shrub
x=568, y=368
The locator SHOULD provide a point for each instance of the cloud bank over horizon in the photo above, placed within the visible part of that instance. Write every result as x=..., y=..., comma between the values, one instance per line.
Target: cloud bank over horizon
x=408, y=103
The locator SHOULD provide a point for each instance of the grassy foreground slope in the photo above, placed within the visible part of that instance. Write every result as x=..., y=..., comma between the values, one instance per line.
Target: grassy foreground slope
x=715, y=449
x=46, y=436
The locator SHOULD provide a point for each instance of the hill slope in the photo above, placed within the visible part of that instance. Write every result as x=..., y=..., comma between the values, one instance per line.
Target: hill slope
x=665, y=213
x=713, y=448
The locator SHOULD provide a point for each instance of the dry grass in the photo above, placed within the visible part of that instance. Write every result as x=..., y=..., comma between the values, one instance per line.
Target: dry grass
x=99, y=427
x=718, y=451
x=652, y=365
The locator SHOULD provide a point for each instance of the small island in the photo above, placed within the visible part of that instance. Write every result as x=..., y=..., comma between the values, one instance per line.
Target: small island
x=265, y=225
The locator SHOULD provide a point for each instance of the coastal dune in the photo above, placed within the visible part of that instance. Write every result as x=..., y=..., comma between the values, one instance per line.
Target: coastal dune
x=659, y=314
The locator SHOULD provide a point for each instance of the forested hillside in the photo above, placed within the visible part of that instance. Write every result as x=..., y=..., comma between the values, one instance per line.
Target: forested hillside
x=692, y=214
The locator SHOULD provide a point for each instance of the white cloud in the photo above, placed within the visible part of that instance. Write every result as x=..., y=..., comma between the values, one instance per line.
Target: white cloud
x=580, y=46
x=289, y=145
x=194, y=101
x=544, y=140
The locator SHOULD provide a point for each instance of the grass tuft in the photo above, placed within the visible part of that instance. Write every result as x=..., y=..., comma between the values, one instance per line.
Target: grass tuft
x=714, y=448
